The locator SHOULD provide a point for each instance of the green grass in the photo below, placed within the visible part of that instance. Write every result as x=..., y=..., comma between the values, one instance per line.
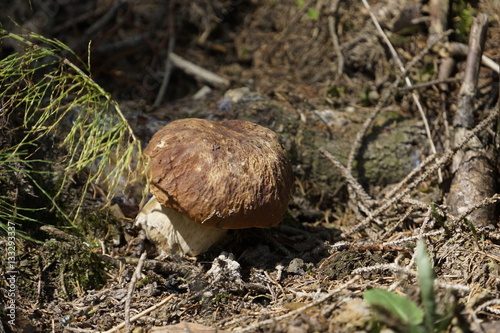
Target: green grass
x=50, y=97
x=398, y=311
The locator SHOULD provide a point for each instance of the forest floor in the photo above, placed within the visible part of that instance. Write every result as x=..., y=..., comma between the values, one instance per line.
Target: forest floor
x=322, y=76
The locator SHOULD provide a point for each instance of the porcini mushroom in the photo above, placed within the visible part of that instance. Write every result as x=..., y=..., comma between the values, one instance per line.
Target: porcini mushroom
x=207, y=177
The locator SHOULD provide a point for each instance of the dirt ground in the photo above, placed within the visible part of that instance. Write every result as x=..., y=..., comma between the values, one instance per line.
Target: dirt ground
x=374, y=161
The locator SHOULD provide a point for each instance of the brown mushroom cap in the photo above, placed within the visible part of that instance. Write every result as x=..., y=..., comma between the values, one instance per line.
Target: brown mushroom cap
x=231, y=174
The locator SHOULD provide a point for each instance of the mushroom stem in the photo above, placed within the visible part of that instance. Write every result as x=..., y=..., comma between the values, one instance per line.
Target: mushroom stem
x=173, y=233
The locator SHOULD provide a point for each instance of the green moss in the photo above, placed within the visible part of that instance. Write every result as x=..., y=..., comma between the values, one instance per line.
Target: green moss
x=313, y=14
x=95, y=225
x=221, y=299
x=463, y=16
x=74, y=267
x=336, y=91
x=144, y=282
x=389, y=151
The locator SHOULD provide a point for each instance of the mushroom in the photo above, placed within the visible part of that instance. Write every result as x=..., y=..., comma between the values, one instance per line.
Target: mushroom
x=207, y=177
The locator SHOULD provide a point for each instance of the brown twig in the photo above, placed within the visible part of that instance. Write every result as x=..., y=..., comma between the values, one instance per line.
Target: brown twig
x=464, y=116
x=332, y=22
x=104, y=19
x=168, y=63
x=485, y=202
x=360, y=192
x=459, y=49
x=131, y=288
x=197, y=71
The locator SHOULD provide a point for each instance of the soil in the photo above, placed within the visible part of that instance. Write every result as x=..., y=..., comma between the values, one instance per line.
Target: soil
x=368, y=183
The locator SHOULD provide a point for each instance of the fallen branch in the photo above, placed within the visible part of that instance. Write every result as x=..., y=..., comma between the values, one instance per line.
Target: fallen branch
x=197, y=71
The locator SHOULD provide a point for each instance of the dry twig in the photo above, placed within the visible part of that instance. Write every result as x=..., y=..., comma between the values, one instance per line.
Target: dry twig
x=197, y=71
x=133, y=281
x=168, y=62
x=332, y=22
x=360, y=192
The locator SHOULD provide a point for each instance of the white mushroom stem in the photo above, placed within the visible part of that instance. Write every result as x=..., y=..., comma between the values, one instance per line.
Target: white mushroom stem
x=173, y=233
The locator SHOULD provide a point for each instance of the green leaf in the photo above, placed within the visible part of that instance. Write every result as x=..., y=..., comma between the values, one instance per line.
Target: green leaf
x=313, y=14
x=426, y=283
x=405, y=310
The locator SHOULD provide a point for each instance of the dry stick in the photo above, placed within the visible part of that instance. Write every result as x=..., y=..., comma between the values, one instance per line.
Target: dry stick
x=439, y=81
x=389, y=231
x=445, y=71
x=410, y=175
x=359, y=189
x=197, y=71
x=406, y=78
x=445, y=158
x=459, y=49
x=166, y=75
x=487, y=306
x=103, y=20
x=438, y=12
x=331, y=293
x=168, y=63
x=464, y=116
x=412, y=238
x=348, y=176
x=485, y=202
x=84, y=16
x=428, y=84
x=332, y=22
x=423, y=205
x=424, y=225
x=131, y=289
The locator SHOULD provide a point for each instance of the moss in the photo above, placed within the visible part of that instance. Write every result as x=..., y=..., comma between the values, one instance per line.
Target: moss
x=144, y=282
x=74, y=267
x=390, y=151
x=94, y=225
x=220, y=299
x=463, y=16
